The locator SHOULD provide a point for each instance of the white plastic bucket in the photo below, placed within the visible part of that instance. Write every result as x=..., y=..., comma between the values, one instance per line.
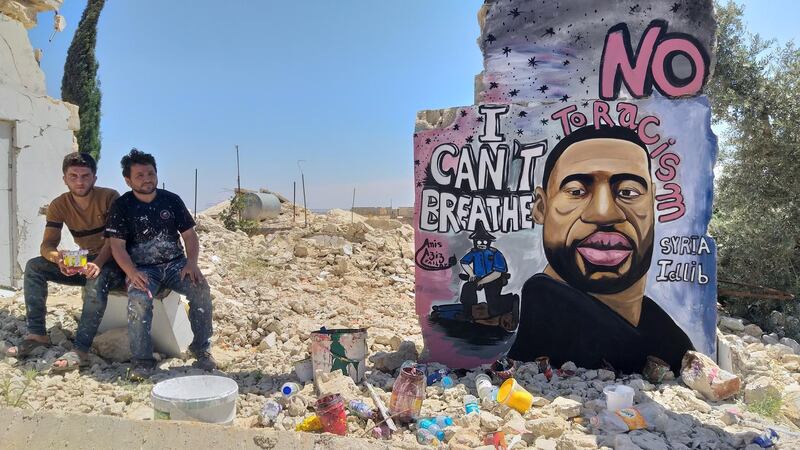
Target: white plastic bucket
x=304, y=370
x=618, y=396
x=199, y=398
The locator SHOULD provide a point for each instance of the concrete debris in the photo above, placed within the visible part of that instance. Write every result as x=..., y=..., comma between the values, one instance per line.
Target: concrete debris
x=273, y=289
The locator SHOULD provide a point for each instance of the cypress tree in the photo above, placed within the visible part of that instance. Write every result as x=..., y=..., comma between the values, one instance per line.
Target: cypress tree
x=80, y=85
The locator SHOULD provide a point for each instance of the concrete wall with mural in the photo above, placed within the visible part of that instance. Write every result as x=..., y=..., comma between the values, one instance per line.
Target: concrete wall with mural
x=565, y=213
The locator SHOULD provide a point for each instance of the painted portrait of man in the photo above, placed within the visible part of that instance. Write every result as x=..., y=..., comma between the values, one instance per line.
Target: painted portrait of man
x=596, y=209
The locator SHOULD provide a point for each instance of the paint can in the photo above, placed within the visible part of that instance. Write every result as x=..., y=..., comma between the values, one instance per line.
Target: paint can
x=408, y=392
x=504, y=368
x=330, y=410
x=336, y=349
x=199, y=398
x=656, y=370
x=543, y=363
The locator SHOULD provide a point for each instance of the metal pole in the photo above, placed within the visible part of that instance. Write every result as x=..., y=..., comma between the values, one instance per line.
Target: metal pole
x=195, y=194
x=238, y=180
x=305, y=207
x=163, y=185
x=353, y=208
x=294, y=199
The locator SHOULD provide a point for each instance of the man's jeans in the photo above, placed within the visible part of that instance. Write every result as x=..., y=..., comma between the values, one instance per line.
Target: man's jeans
x=38, y=271
x=140, y=309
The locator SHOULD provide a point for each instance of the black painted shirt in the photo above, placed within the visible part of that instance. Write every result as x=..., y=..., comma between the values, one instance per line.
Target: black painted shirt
x=566, y=324
x=151, y=231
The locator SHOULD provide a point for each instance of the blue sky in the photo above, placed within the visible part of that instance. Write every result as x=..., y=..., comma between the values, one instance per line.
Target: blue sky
x=336, y=84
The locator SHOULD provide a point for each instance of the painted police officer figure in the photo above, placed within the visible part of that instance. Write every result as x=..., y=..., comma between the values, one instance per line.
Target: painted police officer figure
x=486, y=270
x=596, y=207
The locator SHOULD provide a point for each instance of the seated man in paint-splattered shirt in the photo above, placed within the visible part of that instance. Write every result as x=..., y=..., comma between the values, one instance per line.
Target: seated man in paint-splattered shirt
x=145, y=227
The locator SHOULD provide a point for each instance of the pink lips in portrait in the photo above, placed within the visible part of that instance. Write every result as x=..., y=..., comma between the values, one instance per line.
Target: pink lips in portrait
x=604, y=248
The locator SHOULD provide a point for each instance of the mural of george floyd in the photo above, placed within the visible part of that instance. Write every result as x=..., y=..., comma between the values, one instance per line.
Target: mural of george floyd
x=565, y=214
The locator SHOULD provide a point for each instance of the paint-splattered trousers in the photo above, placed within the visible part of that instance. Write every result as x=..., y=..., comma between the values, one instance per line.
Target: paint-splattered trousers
x=39, y=271
x=140, y=309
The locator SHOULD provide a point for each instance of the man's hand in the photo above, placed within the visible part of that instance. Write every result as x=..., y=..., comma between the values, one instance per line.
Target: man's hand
x=193, y=272
x=91, y=271
x=139, y=280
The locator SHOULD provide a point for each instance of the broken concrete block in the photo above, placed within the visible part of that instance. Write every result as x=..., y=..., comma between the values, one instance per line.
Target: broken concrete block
x=113, y=345
x=700, y=373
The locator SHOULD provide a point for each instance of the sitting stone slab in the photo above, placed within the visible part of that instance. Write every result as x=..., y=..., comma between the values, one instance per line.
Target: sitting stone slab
x=170, y=330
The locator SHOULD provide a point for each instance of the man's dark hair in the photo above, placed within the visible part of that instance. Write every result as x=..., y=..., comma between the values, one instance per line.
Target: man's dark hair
x=78, y=159
x=590, y=132
x=136, y=157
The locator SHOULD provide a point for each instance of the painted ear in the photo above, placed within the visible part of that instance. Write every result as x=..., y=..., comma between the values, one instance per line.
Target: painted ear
x=539, y=206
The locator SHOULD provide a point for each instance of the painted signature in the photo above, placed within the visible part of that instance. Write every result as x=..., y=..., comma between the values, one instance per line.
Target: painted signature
x=430, y=257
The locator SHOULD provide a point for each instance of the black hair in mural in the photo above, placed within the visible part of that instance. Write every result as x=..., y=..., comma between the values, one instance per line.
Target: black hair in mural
x=592, y=132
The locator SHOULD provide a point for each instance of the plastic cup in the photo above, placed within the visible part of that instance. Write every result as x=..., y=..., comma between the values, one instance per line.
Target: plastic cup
x=515, y=396
x=618, y=396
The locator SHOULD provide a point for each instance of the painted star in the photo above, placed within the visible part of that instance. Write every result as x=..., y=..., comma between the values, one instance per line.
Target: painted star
x=543, y=88
x=558, y=137
x=565, y=98
x=519, y=132
x=582, y=80
x=419, y=183
x=513, y=92
x=578, y=38
x=428, y=141
x=585, y=104
x=490, y=38
x=549, y=31
x=514, y=12
x=544, y=121
x=455, y=127
x=470, y=138
x=566, y=62
x=675, y=7
x=492, y=85
x=480, y=119
x=522, y=114
x=533, y=62
x=506, y=50
x=416, y=162
x=463, y=113
x=634, y=9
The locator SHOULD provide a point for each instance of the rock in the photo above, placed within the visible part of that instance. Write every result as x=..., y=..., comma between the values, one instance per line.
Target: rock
x=490, y=422
x=545, y=444
x=301, y=250
x=731, y=323
x=246, y=422
x=574, y=441
x=648, y=441
x=791, y=343
x=791, y=403
x=566, y=408
x=389, y=362
x=540, y=401
x=759, y=390
x=624, y=442
x=114, y=345
x=605, y=375
x=124, y=398
x=569, y=366
x=515, y=424
x=700, y=373
x=770, y=339
x=753, y=330
x=143, y=412
x=549, y=427
x=336, y=383
x=268, y=342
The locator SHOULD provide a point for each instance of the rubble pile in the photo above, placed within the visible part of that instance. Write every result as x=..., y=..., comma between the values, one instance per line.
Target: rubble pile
x=273, y=289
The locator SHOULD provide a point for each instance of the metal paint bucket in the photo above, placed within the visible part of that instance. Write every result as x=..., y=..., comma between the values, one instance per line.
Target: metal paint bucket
x=344, y=349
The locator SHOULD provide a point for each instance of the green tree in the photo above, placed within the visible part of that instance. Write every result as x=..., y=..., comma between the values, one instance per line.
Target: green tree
x=80, y=85
x=755, y=93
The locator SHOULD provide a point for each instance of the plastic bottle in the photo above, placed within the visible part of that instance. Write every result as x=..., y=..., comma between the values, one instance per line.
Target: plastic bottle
x=360, y=409
x=444, y=421
x=446, y=382
x=485, y=388
x=425, y=437
x=471, y=404
x=624, y=420
x=435, y=377
x=270, y=411
x=289, y=389
x=430, y=425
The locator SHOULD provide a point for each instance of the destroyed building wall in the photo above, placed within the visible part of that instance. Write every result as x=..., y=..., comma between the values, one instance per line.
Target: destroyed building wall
x=610, y=256
x=36, y=131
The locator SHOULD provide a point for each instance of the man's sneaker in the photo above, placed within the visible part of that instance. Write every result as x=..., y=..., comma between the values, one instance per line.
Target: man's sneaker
x=140, y=371
x=205, y=361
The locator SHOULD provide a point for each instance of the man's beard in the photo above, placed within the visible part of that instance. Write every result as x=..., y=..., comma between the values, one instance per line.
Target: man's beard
x=81, y=195
x=563, y=261
x=145, y=191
